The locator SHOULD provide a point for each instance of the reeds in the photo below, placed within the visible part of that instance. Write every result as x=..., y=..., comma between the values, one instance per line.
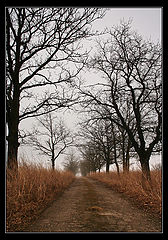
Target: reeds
x=131, y=185
x=28, y=193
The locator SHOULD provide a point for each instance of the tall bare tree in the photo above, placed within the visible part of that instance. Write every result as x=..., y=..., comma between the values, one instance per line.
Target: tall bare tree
x=131, y=68
x=42, y=45
x=52, y=137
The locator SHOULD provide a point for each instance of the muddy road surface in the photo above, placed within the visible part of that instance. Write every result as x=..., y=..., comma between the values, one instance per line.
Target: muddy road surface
x=89, y=206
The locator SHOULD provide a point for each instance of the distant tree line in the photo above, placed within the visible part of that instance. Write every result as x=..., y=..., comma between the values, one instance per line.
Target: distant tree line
x=71, y=163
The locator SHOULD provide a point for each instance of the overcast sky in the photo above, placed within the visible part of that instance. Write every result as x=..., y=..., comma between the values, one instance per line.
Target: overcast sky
x=146, y=21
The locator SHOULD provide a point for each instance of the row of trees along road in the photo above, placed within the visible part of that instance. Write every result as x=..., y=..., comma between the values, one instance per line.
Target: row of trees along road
x=105, y=144
x=128, y=97
x=44, y=56
x=41, y=45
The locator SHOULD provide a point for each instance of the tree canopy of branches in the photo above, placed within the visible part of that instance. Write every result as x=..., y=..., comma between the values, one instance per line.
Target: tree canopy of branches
x=131, y=69
x=40, y=45
x=52, y=137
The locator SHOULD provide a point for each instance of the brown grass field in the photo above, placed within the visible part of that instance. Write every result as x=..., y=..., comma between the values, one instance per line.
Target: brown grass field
x=30, y=192
x=130, y=184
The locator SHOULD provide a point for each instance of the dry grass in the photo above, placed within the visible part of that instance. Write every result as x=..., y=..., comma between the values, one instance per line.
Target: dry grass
x=131, y=185
x=30, y=192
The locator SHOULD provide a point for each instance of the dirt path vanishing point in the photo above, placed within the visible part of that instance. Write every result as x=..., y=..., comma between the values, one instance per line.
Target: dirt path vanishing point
x=89, y=206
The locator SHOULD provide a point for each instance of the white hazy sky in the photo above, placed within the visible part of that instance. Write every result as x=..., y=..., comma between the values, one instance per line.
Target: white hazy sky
x=146, y=21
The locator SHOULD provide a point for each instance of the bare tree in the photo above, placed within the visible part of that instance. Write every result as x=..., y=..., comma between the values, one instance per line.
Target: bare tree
x=40, y=45
x=71, y=163
x=52, y=138
x=131, y=68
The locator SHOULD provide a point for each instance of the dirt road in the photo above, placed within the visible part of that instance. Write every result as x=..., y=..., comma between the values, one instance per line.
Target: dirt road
x=88, y=206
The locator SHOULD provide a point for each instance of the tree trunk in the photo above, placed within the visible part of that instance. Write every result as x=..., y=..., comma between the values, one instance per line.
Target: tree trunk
x=118, y=169
x=128, y=155
x=53, y=163
x=13, y=145
x=107, y=166
x=124, y=164
x=123, y=154
x=13, y=124
x=115, y=157
x=12, y=152
x=127, y=162
x=115, y=151
x=146, y=177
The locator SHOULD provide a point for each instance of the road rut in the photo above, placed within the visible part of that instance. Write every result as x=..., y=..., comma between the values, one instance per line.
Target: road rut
x=89, y=206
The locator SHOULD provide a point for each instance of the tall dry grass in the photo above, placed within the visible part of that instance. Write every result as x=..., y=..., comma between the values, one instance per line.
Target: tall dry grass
x=28, y=193
x=130, y=184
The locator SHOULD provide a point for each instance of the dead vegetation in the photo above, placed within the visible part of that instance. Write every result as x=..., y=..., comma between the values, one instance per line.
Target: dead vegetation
x=28, y=193
x=130, y=184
